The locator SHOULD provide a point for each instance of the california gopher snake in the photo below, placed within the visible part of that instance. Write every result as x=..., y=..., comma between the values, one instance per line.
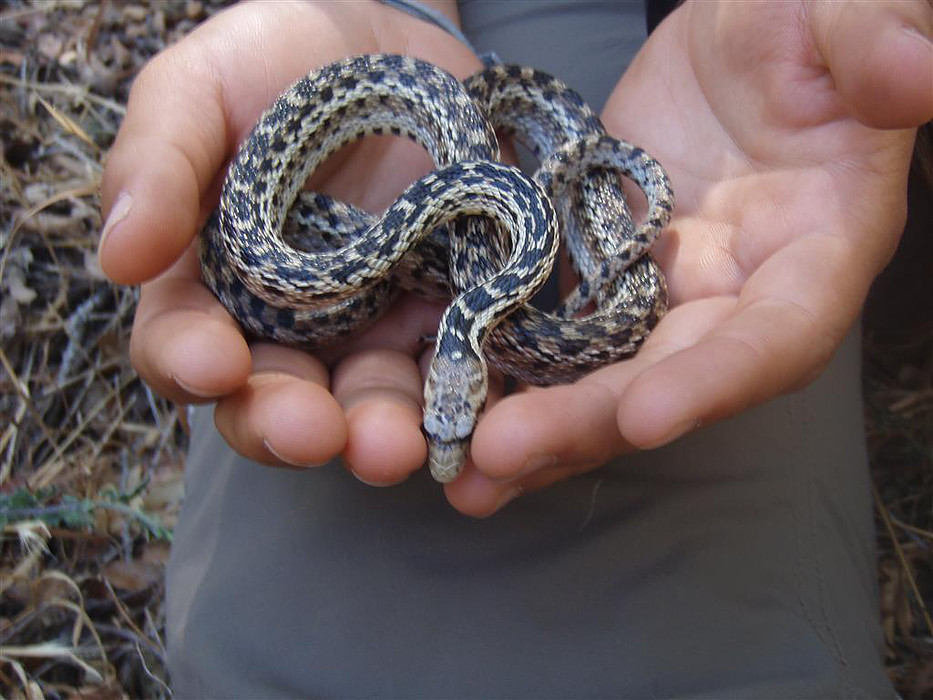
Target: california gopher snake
x=341, y=272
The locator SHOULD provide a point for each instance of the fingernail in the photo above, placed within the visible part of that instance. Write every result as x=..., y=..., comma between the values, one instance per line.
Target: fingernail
x=293, y=463
x=119, y=211
x=536, y=463
x=678, y=431
x=917, y=33
x=193, y=390
x=378, y=484
x=508, y=496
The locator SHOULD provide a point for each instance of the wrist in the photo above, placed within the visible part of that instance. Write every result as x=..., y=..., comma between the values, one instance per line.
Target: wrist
x=447, y=7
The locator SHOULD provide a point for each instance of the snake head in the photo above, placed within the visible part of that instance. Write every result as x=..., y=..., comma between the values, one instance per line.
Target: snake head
x=454, y=394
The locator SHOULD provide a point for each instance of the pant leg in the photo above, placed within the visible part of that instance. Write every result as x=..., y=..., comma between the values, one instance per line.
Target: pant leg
x=737, y=562
x=585, y=43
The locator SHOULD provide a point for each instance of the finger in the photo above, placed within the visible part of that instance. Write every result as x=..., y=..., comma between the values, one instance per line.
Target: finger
x=184, y=344
x=881, y=58
x=381, y=394
x=791, y=315
x=540, y=428
x=284, y=415
x=475, y=495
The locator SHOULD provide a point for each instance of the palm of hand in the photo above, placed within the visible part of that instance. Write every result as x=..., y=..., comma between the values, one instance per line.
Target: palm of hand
x=787, y=206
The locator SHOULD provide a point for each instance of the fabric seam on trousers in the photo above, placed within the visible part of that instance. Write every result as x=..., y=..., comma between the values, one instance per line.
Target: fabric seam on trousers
x=835, y=647
x=824, y=630
x=203, y=566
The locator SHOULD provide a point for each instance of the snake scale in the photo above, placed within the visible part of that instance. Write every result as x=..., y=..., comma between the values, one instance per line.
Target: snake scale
x=306, y=270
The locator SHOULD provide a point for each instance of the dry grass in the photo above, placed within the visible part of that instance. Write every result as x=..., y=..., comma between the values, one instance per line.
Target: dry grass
x=898, y=382
x=91, y=461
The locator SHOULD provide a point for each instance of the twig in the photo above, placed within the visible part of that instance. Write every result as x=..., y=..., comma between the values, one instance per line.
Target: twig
x=129, y=636
x=40, y=477
x=912, y=528
x=11, y=434
x=883, y=512
x=85, y=191
x=73, y=90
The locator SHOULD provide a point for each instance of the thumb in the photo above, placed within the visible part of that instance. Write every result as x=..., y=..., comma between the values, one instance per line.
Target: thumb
x=880, y=56
x=170, y=147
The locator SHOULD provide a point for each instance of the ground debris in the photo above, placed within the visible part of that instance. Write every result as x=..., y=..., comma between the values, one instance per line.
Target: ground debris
x=90, y=460
x=899, y=423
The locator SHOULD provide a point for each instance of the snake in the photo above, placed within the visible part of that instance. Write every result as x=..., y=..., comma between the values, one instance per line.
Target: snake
x=307, y=270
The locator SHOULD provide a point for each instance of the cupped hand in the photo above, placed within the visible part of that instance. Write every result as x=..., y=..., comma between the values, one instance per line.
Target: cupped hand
x=188, y=110
x=787, y=131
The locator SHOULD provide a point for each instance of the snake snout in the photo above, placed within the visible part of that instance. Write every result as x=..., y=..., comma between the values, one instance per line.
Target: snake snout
x=446, y=459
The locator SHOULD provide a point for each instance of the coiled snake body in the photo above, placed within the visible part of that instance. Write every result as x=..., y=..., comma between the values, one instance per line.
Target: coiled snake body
x=306, y=270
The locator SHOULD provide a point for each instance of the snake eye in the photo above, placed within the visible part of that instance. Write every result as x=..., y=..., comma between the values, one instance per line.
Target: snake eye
x=431, y=425
x=464, y=426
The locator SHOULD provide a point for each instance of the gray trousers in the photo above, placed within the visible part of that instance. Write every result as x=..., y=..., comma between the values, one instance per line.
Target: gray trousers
x=736, y=562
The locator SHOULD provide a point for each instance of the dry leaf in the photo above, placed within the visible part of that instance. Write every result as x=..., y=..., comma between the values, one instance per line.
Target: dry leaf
x=133, y=576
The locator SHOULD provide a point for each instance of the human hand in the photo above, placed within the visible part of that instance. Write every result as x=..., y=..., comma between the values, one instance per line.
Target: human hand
x=188, y=111
x=787, y=131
